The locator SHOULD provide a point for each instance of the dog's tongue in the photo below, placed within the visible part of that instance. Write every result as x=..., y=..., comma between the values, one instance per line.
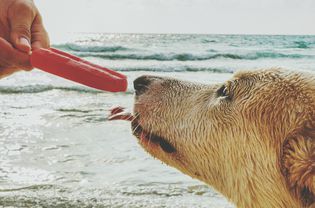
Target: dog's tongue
x=119, y=113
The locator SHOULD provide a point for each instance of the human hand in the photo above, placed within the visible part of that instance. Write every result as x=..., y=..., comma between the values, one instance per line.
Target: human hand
x=21, y=31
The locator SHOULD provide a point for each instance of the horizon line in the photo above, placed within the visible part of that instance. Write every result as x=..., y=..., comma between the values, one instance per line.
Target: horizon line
x=179, y=33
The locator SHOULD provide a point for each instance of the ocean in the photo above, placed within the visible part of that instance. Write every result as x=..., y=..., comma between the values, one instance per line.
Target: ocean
x=57, y=148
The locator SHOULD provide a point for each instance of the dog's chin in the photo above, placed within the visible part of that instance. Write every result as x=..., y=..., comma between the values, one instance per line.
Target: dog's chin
x=150, y=141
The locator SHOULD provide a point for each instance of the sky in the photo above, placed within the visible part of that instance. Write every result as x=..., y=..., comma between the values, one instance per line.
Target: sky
x=179, y=16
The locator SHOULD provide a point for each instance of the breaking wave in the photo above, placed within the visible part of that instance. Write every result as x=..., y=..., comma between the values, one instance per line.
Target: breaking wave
x=28, y=89
x=89, y=48
x=194, y=57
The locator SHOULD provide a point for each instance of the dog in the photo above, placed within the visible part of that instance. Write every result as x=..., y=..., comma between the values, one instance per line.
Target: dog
x=252, y=138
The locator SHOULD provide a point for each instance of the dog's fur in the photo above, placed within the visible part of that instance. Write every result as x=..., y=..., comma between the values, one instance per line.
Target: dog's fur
x=252, y=139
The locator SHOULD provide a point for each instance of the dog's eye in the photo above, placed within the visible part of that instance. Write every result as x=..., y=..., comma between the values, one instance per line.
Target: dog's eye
x=223, y=91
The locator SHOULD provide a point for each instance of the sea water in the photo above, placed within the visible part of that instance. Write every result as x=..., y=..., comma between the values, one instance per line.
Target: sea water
x=57, y=148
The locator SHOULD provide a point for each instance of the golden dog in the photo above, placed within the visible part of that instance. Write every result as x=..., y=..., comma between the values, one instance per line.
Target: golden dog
x=251, y=138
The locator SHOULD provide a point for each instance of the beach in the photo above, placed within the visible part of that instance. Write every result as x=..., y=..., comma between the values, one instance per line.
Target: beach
x=57, y=148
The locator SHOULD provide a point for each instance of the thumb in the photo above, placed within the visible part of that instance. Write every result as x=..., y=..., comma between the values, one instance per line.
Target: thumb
x=21, y=17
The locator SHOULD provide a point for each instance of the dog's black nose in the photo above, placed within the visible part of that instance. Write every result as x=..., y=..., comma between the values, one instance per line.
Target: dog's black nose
x=141, y=84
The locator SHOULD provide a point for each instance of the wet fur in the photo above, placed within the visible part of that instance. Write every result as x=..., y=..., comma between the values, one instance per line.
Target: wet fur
x=256, y=146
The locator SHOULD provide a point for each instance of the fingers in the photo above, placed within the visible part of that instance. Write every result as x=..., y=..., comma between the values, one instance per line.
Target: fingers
x=27, y=29
x=11, y=58
x=40, y=37
x=21, y=15
x=21, y=30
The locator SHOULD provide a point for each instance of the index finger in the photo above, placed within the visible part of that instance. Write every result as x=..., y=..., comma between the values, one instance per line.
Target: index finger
x=40, y=37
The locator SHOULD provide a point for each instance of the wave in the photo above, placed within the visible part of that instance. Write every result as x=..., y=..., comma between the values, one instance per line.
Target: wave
x=205, y=69
x=176, y=69
x=30, y=89
x=161, y=57
x=194, y=57
x=33, y=187
x=275, y=55
x=90, y=48
x=208, y=41
x=119, y=52
x=301, y=44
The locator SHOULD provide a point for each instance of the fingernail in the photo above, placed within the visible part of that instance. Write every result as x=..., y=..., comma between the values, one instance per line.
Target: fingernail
x=24, y=41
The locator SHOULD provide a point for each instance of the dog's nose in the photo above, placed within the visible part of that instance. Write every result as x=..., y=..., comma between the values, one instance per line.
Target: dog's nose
x=141, y=84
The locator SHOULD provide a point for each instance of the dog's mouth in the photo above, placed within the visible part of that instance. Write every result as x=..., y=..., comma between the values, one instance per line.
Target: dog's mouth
x=150, y=138
x=146, y=138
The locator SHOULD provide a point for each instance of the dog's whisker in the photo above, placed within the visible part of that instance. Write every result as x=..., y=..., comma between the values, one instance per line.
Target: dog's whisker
x=150, y=137
x=135, y=129
x=134, y=118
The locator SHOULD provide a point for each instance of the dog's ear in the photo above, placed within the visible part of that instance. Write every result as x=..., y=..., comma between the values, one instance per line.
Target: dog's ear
x=298, y=163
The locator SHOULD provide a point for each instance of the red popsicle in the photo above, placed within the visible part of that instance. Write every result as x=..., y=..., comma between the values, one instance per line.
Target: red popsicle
x=78, y=70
